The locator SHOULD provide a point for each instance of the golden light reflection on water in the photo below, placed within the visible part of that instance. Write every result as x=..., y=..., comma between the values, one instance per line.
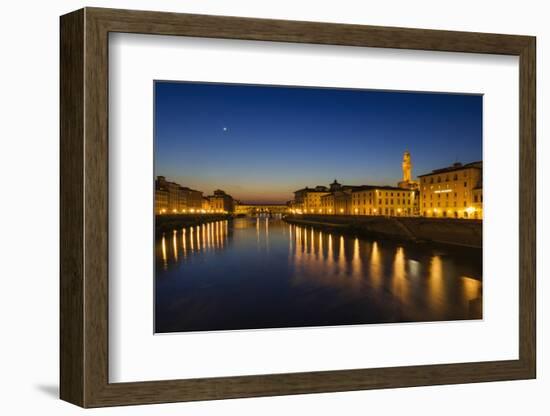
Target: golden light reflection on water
x=164, y=256
x=368, y=268
x=340, y=275
x=435, y=283
x=183, y=242
x=376, y=267
x=210, y=236
x=198, y=235
x=472, y=293
x=320, y=245
x=471, y=287
x=175, y=245
x=356, y=261
x=400, y=286
x=342, y=255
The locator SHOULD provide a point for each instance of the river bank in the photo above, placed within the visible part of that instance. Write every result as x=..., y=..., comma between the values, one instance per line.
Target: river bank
x=165, y=223
x=466, y=233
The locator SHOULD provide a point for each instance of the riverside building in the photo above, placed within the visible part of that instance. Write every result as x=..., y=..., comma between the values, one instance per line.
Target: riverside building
x=172, y=198
x=221, y=202
x=455, y=191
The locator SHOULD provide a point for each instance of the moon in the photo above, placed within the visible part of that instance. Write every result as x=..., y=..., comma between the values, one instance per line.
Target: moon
x=224, y=128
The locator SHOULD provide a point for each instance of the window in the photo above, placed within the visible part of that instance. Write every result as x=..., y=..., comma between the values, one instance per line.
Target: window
x=455, y=177
x=438, y=179
x=465, y=184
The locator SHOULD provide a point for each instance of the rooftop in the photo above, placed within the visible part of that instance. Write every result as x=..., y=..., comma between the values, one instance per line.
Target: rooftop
x=455, y=167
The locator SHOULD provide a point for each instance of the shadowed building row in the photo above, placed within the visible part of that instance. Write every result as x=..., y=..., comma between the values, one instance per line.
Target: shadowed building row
x=172, y=198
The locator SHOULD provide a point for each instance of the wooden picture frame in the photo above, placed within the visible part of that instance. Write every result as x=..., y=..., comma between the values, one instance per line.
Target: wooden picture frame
x=84, y=207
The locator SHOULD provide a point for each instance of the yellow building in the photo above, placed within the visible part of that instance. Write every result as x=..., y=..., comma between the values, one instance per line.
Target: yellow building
x=363, y=200
x=455, y=192
x=478, y=201
x=308, y=200
x=221, y=202
x=161, y=201
x=383, y=200
x=327, y=204
x=205, y=204
x=172, y=198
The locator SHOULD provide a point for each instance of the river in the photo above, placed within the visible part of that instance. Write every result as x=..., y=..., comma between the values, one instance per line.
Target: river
x=251, y=273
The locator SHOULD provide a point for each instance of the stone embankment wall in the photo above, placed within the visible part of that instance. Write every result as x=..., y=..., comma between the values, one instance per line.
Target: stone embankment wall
x=438, y=230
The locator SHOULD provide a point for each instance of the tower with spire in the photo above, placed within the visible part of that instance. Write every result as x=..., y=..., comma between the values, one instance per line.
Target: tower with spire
x=407, y=166
x=407, y=181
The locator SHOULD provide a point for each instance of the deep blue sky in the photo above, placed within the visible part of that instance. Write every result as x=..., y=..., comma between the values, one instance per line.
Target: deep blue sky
x=260, y=143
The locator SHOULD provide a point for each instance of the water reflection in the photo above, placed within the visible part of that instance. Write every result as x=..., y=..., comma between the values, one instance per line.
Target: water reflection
x=205, y=237
x=262, y=272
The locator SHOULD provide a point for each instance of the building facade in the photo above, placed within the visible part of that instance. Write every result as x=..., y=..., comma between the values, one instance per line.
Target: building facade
x=221, y=202
x=191, y=199
x=308, y=200
x=341, y=199
x=172, y=198
x=161, y=201
x=383, y=200
x=327, y=204
x=455, y=192
x=205, y=204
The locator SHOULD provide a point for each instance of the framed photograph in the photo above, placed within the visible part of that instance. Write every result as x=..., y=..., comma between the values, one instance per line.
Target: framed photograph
x=257, y=207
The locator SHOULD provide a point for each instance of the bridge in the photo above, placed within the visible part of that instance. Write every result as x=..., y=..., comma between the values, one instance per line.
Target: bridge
x=254, y=210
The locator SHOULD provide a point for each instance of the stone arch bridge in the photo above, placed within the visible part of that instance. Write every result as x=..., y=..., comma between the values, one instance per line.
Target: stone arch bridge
x=260, y=209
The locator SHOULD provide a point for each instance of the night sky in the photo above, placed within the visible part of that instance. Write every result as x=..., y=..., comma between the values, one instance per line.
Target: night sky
x=261, y=143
